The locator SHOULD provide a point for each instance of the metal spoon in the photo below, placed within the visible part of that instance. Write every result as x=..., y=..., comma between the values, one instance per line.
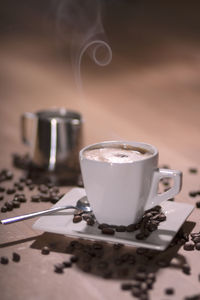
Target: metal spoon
x=80, y=205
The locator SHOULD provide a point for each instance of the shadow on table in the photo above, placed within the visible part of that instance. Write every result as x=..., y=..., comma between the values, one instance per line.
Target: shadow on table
x=8, y=244
x=116, y=261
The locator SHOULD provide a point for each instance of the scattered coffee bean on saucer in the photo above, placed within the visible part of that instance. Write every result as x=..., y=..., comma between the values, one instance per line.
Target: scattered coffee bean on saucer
x=108, y=230
x=4, y=260
x=77, y=219
x=121, y=228
x=1, y=197
x=15, y=257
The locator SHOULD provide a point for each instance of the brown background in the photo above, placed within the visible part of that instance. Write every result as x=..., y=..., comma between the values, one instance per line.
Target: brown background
x=150, y=92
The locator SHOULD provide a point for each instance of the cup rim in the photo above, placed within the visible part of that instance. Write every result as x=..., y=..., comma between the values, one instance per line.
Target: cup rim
x=146, y=146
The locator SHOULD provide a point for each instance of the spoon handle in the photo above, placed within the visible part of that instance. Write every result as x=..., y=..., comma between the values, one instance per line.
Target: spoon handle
x=34, y=214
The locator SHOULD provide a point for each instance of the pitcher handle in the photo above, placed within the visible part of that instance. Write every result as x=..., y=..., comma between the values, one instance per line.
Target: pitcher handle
x=154, y=197
x=26, y=123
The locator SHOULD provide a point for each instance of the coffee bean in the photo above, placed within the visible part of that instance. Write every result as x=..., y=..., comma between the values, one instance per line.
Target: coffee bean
x=9, y=205
x=3, y=209
x=22, y=179
x=198, y=204
x=136, y=292
x=29, y=181
x=16, y=204
x=2, y=189
x=196, y=239
x=141, y=276
x=193, y=170
x=1, y=197
x=161, y=217
x=35, y=198
x=58, y=268
x=67, y=264
x=144, y=286
x=103, y=225
x=186, y=269
x=43, y=188
x=54, y=199
x=74, y=259
x=10, y=191
x=16, y=257
x=171, y=199
x=193, y=194
x=149, y=283
x=4, y=260
x=197, y=246
x=121, y=228
x=21, y=198
x=144, y=297
x=140, y=236
x=195, y=234
x=152, y=227
x=45, y=250
x=151, y=276
x=108, y=230
x=31, y=187
x=131, y=228
x=188, y=246
x=126, y=286
x=169, y=291
x=193, y=297
x=77, y=219
x=54, y=190
x=90, y=222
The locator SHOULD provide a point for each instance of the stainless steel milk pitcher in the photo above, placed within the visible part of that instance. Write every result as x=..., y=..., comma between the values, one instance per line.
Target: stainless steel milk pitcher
x=54, y=137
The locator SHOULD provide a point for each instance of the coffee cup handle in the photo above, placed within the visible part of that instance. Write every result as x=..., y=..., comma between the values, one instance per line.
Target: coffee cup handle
x=154, y=197
x=26, y=125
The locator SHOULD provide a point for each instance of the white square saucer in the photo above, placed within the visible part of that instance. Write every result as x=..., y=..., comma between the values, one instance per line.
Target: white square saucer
x=61, y=223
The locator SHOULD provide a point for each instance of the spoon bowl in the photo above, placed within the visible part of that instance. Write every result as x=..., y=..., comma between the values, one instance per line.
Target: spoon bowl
x=81, y=205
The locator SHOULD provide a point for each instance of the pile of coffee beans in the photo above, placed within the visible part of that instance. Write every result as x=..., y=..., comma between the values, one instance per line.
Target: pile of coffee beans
x=148, y=223
x=47, y=192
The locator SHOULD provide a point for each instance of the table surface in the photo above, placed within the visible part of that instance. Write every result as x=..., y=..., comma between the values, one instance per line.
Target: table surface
x=156, y=102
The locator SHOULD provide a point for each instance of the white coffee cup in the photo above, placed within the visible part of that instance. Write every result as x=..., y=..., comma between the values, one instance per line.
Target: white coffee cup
x=120, y=192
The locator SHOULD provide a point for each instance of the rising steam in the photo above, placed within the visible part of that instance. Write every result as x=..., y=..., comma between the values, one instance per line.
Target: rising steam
x=80, y=22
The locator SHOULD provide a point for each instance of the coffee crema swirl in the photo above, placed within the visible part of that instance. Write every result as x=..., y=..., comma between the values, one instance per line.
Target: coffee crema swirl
x=124, y=154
